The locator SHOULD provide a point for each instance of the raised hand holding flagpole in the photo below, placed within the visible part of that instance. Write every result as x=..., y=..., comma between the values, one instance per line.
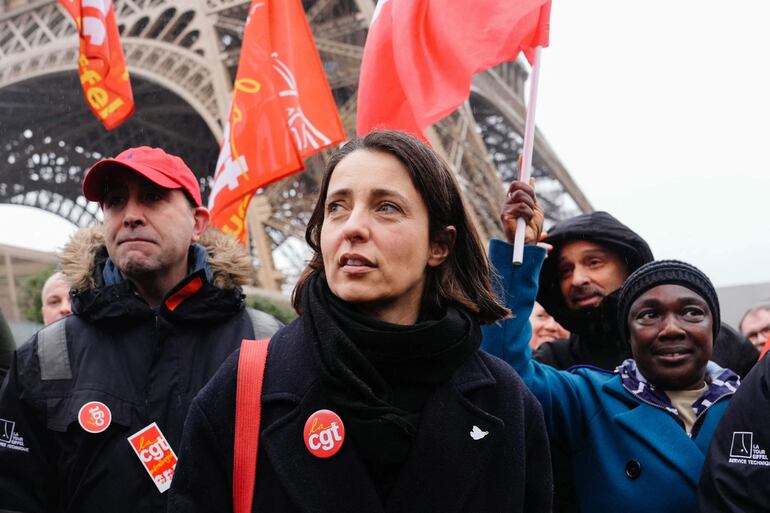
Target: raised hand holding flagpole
x=529, y=146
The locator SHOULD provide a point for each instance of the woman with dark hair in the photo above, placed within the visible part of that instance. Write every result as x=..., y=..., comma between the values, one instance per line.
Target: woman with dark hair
x=386, y=347
x=634, y=439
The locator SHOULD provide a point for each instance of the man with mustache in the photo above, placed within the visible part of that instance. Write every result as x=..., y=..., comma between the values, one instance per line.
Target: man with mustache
x=592, y=256
x=94, y=403
x=580, y=281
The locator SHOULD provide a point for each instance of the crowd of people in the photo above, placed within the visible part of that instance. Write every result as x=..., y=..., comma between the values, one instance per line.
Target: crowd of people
x=423, y=373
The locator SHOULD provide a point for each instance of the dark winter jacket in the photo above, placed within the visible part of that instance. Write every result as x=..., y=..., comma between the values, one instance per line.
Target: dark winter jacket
x=734, y=351
x=736, y=475
x=594, y=336
x=145, y=365
x=447, y=470
x=7, y=347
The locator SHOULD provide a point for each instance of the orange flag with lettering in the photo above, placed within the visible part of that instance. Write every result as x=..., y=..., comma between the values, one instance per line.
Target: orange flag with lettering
x=282, y=111
x=101, y=64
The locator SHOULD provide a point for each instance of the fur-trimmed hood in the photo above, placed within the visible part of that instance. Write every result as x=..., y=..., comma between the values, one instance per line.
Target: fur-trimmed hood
x=229, y=261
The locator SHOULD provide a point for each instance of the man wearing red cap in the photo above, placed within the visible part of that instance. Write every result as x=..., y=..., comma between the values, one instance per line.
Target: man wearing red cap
x=94, y=403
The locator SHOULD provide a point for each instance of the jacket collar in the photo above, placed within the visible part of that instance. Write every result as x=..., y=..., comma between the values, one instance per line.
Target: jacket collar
x=197, y=258
x=443, y=449
x=194, y=299
x=721, y=382
x=217, y=267
x=654, y=427
x=83, y=257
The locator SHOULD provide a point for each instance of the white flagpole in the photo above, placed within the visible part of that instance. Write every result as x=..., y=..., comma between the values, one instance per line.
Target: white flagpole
x=529, y=146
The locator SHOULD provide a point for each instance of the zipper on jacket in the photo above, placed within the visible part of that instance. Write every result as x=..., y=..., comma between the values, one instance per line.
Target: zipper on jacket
x=155, y=351
x=700, y=415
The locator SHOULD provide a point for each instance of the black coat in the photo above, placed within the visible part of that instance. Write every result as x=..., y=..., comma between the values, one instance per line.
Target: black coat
x=736, y=475
x=7, y=347
x=447, y=471
x=145, y=365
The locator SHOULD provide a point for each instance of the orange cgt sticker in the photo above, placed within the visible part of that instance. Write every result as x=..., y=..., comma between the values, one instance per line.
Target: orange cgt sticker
x=152, y=449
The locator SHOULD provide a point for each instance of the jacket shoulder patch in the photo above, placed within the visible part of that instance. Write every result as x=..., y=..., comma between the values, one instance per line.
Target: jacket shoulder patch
x=52, y=352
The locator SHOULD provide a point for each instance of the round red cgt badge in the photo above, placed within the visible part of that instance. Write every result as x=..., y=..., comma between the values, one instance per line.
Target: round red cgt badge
x=94, y=417
x=324, y=434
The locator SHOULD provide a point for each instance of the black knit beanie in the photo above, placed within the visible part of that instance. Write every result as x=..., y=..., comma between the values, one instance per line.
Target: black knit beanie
x=662, y=272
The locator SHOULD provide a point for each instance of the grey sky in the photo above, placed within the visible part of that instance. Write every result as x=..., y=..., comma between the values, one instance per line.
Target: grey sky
x=659, y=109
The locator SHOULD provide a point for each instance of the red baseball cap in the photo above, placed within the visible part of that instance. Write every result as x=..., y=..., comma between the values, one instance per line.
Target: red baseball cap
x=168, y=171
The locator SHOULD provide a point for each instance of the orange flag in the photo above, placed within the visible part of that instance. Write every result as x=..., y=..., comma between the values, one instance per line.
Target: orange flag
x=101, y=64
x=282, y=111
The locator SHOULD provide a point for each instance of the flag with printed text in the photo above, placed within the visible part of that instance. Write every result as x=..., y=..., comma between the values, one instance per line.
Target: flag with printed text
x=101, y=64
x=282, y=111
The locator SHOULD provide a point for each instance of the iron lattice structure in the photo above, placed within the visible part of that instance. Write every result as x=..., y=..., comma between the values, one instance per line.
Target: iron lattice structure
x=183, y=57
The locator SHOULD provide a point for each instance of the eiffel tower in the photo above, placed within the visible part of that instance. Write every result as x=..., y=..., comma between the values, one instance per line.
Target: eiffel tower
x=183, y=57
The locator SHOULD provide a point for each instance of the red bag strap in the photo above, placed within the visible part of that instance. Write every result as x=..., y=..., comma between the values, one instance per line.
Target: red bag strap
x=248, y=411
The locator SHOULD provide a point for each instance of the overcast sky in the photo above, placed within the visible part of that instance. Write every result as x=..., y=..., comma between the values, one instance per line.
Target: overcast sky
x=659, y=110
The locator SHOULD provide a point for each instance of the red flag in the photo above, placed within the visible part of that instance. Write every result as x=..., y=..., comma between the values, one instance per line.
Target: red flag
x=420, y=57
x=282, y=110
x=101, y=64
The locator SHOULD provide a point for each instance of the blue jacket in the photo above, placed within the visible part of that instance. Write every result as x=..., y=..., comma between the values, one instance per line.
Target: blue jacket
x=628, y=451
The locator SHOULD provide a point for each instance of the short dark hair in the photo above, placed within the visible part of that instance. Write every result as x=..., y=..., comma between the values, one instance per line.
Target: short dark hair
x=464, y=277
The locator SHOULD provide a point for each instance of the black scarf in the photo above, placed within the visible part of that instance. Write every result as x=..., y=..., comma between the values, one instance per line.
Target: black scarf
x=379, y=375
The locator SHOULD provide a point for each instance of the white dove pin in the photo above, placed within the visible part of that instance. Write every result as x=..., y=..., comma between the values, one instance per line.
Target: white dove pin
x=477, y=433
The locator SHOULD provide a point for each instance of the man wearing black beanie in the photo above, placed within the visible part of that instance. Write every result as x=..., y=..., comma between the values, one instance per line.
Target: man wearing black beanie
x=592, y=256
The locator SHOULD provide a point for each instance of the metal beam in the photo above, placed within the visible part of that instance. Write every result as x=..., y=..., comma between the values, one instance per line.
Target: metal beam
x=164, y=73
x=337, y=48
x=342, y=26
